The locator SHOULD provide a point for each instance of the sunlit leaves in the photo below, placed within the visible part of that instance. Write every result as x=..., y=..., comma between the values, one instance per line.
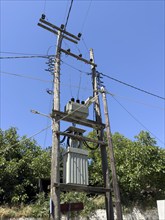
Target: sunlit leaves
x=22, y=162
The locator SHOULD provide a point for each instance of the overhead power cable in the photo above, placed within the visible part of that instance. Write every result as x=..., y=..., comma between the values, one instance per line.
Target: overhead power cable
x=81, y=71
x=23, y=140
x=137, y=120
x=25, y=76
x=138, y=102
x=25, y=57
x=86, y=16
x=75, y=86
x=67, y=19
x=134, y=87
x=42, y=80
x=30, y=54
x=36, y=112
x=112, y=78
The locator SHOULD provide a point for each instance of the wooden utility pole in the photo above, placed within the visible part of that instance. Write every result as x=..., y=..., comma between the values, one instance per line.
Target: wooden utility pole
x=112, y=159
x=105, y=170
x=55, y=160
x=57, y=115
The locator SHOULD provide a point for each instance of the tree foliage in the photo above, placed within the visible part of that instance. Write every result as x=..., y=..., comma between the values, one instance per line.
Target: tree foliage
x=22, y=162
x=140, y=168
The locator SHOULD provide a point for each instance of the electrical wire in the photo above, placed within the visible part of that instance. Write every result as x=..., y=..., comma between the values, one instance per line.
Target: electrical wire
x=85, y=45
x=86, y=15
x=91, y=148
x=34, y=54
x=138, y=102
x=44, y=8
x=82, y=88
x=79, y=87
x=25, y=57
x=25, y=76
x=66, y=11
x=23, y=140
x=112, y=78
x=133, y=87
x=42, y=80
x=67, y=19
x=138, y=121
x=88, y=73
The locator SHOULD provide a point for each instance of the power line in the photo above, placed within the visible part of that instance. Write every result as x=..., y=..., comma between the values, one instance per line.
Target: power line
x=68, y=13
x=30, y=54
x=138, y=121
x=25, y=76
x=25, y=57
x=134, y=87
x=73, y=67
x=137, y=101
x=84, y=88
x=85, y=45
x=42, y=80
x=86, y=15
x=23, y=140
x=112, y=78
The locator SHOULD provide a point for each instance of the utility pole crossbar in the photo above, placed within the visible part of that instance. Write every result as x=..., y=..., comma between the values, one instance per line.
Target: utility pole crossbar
x=55, y=32
x=82, y=138
x=78, y=57
x=81, y=188
x=59, y=29
x=81, y=121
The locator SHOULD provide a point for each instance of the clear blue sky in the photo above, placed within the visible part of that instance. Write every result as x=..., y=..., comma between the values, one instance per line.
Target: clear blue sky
x=128, y=42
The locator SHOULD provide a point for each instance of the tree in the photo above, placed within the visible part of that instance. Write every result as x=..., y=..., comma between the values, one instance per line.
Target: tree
x=144, y=138
x=22, y=162
x=141, y=171
x=140, y=168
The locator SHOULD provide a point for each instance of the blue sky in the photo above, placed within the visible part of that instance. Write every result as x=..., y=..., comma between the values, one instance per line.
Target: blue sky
x=128, y=42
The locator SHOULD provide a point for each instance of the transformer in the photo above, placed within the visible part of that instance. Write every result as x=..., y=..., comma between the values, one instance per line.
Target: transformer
x=75, y=170
x=77, y=109
x=75, y=159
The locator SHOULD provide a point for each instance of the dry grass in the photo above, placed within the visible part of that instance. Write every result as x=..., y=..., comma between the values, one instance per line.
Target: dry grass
x=15, y=212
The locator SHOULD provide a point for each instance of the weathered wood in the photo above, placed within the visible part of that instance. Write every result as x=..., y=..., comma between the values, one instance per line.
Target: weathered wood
x=55, y=32
x=78, y=57
x=68, y=207
x=82, y=188
x=69, y=118
x=59, y=29
x=81, y=138
x=55, y=156
x=105, y=169
x=112, y=159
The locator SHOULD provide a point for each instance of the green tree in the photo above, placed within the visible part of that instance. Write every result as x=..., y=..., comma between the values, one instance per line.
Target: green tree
x=140, y=168
x=22, y=162
x=144, y=138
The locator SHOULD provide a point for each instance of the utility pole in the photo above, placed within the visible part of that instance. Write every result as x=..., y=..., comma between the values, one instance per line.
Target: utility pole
x=112, y=159
x=57, y=115
x=61, y=33
x=55, y=159
x=105, y=170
